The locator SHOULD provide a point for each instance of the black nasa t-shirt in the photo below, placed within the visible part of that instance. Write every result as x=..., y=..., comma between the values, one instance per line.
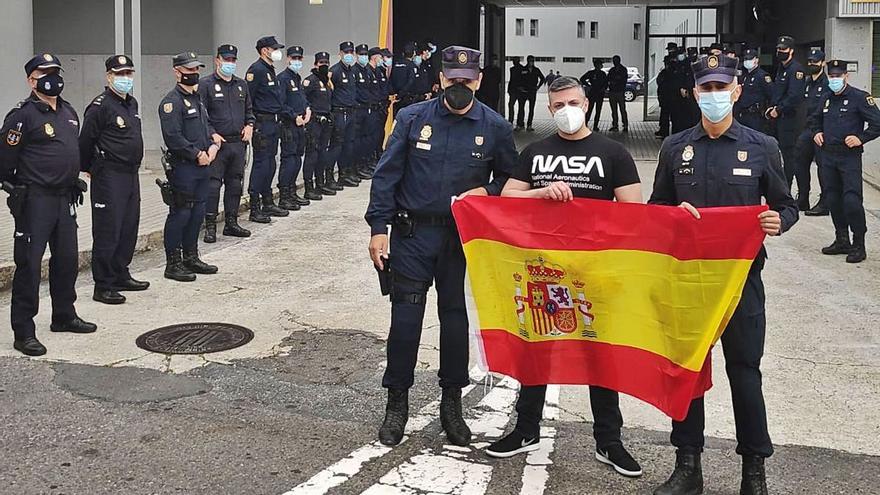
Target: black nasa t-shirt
x=593, y=166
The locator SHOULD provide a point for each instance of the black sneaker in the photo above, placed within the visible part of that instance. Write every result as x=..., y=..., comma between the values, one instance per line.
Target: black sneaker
x=617, y=457
x=514, y=443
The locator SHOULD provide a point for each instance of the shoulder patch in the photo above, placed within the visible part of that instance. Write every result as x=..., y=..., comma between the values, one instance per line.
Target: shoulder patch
x=306, y=82
x=249, y=76
x=768, y=79
x=168, y=107
x=13, y=137
x=799, y=75
x=870, y=100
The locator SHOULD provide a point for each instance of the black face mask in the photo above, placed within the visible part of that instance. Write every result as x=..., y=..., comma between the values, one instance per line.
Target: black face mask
x=50, y=84
x=813, y=69
x=323, y=70
x=782, y=56
x=458, y=96
x=189, y=79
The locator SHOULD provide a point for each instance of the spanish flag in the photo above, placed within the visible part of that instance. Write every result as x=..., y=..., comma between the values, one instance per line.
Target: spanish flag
x=626, y=296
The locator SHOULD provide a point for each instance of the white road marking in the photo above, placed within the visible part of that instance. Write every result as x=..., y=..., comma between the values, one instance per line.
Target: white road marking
x=345, y=469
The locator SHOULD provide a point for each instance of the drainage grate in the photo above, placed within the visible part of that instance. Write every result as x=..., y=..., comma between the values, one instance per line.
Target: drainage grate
x=195, y=338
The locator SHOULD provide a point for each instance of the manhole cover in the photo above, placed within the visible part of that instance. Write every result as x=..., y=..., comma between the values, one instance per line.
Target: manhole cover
x=195, y=338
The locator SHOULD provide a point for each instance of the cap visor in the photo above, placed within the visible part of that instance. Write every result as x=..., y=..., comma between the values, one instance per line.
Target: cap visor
x=52, y=65
x=720, y=78
x=122, y=69
x=277, y=46
x=192, y=65
x=836, y=72
x=782, y=45
x=462, y=74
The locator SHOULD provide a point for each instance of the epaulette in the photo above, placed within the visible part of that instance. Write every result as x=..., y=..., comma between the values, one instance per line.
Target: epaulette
x=18, y=106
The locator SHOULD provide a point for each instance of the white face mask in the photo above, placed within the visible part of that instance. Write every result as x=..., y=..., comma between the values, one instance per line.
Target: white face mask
x=570, y=119
x=277, y=55
x=750, y=64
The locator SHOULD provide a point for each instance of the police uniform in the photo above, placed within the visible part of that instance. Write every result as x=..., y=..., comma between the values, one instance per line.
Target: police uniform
x=742, y=167
x=685, y=112
x=841, y=115
x=788, y=99
x=318, y=90
x=186, y=131
x=666, y=89
x=433, y=155
x=756, y=90
x=268, y=105
x=805, y=149
x=39, y=165
x=344, y=103
x=229, y=107
x=365, y=88
x=111, y=148
x=381, y=104
x=293, y=136
x=596, y=82
x=405, y=79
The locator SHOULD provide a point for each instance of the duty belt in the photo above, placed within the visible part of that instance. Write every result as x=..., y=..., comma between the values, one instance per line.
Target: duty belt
x=841, y=148
x=432, y=220
x=267, y=117
x=232, y=138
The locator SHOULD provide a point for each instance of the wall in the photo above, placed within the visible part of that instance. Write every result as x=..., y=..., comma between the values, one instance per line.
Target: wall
x=557, y=36
x=320, y=28
x=16, y=37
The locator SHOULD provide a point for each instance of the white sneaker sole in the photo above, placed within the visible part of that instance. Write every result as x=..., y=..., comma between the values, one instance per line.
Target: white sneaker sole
x=629, y=474
x=505, y=455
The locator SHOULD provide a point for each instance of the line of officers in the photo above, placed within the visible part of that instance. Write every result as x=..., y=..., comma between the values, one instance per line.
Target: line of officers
x=798, y=105
x=328, y=123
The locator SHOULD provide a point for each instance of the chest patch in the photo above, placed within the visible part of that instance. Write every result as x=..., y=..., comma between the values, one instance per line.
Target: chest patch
x=426, y=133
x=478, y=140
x=187, y=103
x=742, y=172
x=217, y=88
x=742, y=155
x=767, y=79
x=870, y=100
x=48, y=129
x=249, y=77
x=688, y=153
x=799, y=75
x=120, y=122
x=168, y=107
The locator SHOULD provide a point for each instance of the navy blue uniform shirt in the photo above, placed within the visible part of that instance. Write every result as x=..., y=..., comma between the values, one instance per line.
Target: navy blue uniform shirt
x=185, y=126
x=788, y=89
x=845, y=115
x=228, y=104
x=294, y=100
x=266, y=95
x=318, y=92
x=364, y=84
x=111, y=132
x=403, y=77
x=344, y=90
x=384, y=89
x=433, y=155
x=815, y=93
x=756, y=89
x=40, y=145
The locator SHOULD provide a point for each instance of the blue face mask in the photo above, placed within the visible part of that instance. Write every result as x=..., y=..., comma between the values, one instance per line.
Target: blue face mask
x=716, y=105
x=389, y=61
x=123, y=84
x=836, y=84
x=363, y=60
x=348, y=59
x=681, y=57
x=417, y=60
x=433, y=49
x=296, y=65
x=227, y=68
x=750, y=64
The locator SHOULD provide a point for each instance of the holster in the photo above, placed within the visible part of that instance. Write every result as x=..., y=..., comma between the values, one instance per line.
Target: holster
x=404, y=224
x=166, y=162
x=16, y=201
x=258, y=140
x=385, y=280
x=78, y=191
x=287, y=131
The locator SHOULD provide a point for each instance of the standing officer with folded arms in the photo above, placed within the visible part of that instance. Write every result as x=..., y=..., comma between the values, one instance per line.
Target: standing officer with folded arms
x=111, y=147
x=188, y=136
x=39, y=167
x=230, y=112
x=411, y=190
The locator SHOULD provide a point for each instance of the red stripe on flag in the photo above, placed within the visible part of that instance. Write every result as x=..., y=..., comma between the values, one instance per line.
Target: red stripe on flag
x=636, y=372
x=595, y=225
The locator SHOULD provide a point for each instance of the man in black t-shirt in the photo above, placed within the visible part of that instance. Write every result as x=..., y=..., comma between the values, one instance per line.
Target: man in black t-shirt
x=574, y=163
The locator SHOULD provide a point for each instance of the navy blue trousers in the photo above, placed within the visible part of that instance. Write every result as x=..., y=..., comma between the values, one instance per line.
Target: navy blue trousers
x=266, y=134
x=184, y=222
x=293, y=145
x=116, y=214
x=841, y=173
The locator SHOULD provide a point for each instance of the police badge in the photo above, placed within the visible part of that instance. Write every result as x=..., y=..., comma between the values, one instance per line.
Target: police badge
x=13, y=137
x=742, y=155
x=50, y=131
x=688, y=153
x=120, y=121
x=167, y=107
x=478, y=140
x=426, y=133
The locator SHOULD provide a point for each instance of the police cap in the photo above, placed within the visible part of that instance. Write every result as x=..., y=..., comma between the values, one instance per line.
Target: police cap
x=186, y=59
x=119, y=63
x=227, y=51
x=750, y=54
x=295, y=51
x=374, y=51
x=44, y=61
x=716, y=46
x=715, y=68
x=410, y=47
x=461, y=63
x=816, y=55
x=346, y=46
x=729, y=50
x=269, y=41
x=322, y=57
x=362, y=49
x=387, y=53
x=671, y=46
x=785, y=42
x=837, y=67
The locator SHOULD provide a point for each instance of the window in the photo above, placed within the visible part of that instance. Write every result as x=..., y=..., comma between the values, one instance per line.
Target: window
x=533, y=27
x=594, y=29
x=637, y=31
x=582, y=29
x=522, y=58
x=573, y=60
x=520, y=26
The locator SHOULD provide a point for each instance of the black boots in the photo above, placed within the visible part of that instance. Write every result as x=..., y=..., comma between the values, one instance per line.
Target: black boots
x=297, y=199
x=286, y=200
x=686, y=479
x=456, y=429
x=270, y=209
x=323, y=186
x=257, y=214
x=857, y=254
x=754, y=479
x=331, y=182
x=210, y=228
x=348, y=178
x=192, y=263
x=841, y=245
x=175, y=269
x=233, y=229
x=312, y=193
x=396, y=415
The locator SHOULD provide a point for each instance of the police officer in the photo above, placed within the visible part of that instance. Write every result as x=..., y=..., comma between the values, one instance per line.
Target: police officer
x=318, y=90
x=297, y=115
x=666, y=89
x=192, y=146
x=720, y=162
x=39, y=165
x=532, y=79
x=514, y=87
x=268, y=105
x=805, y=150
x=755, y=97
x=406, y=78
x=408, y=193
x=839, y=130
x=787, y=103
x=111, y=148
x=378, y=112
x=365, y=88
x=228, y=102
x=684, y=113
x=344, y=101
x=596, y=82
